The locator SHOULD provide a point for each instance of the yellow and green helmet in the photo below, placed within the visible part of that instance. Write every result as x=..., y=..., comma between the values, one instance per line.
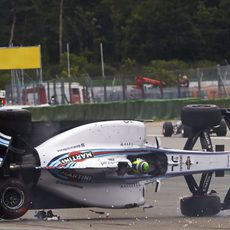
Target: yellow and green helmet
x=140, y=166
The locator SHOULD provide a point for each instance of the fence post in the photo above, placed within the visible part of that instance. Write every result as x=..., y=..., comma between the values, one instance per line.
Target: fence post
x=219, y=79
x=178, y=86
x=124, y=88
x=70, y=93
x=162, y=92
x=62, y=92
x=54, y=89
x=221, y=86
x=105, y=90
x=199, y=82
x=48, y=90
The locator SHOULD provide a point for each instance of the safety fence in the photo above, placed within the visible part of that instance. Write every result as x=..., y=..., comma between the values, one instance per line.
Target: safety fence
x=202, y=83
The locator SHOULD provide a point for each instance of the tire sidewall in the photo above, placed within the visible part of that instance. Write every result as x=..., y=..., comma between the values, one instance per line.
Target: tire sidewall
x=167, y=129
x=201, y=116
x=23, y=206
x=206, y=205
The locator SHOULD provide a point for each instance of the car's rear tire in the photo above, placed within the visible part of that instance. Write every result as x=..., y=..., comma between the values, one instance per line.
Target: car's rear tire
x=14, y=199
x=201, y=116
x=206, y=205
x=167, y=129
x=13, y=122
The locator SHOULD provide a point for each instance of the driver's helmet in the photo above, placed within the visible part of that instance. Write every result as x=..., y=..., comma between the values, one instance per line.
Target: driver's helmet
x=140, y=166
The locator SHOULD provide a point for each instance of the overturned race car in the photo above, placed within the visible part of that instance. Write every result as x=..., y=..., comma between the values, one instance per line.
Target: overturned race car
x=106, y=164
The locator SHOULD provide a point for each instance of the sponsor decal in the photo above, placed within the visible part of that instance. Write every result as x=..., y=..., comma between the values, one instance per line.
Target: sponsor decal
x=126, y=144
x=188, y=162
x=76, y=157
x=134, y=185
x=72, y=147
x=62, y=166
x=71, y=176
x=208, y=141
x=69, y=160
x=109, y=163
x=181, y=162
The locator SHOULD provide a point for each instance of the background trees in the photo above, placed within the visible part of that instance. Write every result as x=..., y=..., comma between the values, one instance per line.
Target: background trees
x=137, y=30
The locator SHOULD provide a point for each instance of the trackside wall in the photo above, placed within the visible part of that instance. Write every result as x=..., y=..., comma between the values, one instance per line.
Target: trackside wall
x=138, y=110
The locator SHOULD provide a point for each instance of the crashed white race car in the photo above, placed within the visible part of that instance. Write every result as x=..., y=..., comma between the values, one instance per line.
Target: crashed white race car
x=105, y=164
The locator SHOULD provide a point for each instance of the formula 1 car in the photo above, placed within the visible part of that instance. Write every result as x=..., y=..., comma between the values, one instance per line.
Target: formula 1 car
x=170, y=128
x=106, y=164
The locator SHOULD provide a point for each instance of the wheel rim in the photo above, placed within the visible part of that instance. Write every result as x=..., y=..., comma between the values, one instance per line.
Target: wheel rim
x=12, y=198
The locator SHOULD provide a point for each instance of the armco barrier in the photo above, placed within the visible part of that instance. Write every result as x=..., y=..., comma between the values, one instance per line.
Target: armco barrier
x=138, y=110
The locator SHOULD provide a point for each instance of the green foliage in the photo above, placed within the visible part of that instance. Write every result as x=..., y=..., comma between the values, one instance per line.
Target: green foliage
x=128, y=66
x=132, y=32
x=77, y=65
x=169, y=65
x=94, y=70
x=51, y=72
x=204, y=64
x=166, y=71
x=5, y=79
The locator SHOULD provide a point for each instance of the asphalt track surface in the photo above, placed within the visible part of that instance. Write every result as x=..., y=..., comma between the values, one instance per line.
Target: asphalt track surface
x=164, y=214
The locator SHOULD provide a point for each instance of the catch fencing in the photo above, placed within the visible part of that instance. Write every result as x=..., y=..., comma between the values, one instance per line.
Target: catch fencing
x=204, y=83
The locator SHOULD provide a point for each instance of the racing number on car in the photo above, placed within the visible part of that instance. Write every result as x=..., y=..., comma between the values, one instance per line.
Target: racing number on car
x=179, y=161
x=175, y=162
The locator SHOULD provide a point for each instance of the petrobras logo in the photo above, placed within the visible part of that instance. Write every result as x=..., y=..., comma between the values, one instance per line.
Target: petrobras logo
x=69, y=160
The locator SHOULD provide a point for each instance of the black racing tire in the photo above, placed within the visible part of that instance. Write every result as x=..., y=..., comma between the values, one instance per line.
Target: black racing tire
x=186, y=130
x=14, y=199
x=201, y=116
x=206, y=205
x=167, y=129
x=13, y=122
x=221, y=130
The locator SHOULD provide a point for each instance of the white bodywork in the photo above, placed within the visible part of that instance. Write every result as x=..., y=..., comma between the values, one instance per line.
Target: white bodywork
x=96, y=137
x=82, y=164
x=100, y=135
